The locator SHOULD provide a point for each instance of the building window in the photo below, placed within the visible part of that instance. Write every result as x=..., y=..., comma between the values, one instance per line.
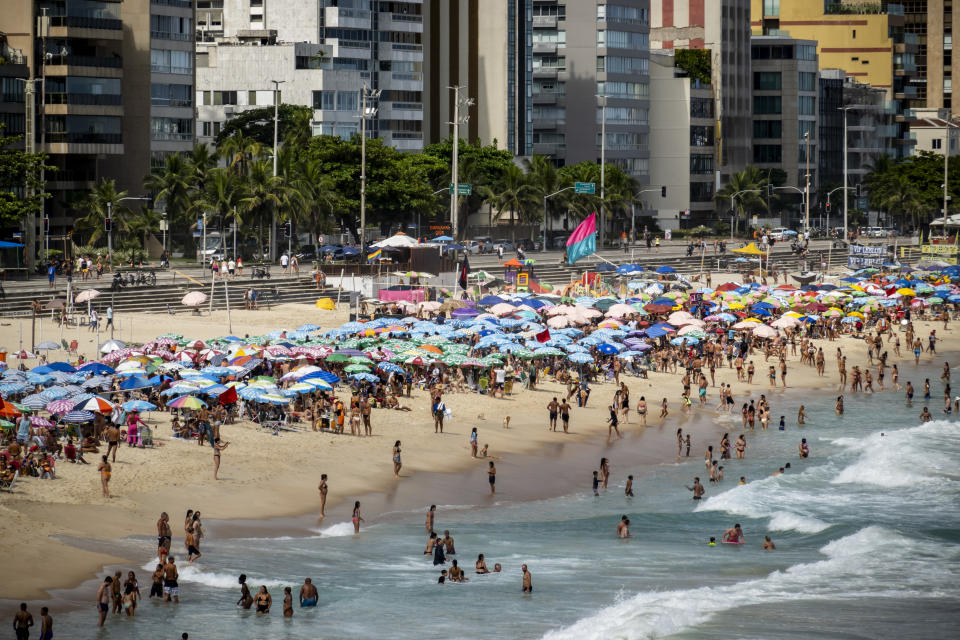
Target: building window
x=11, y=90
x=624, y=115
x=767, y=105
x=224, y=97
x=767, y=153
x=767, y=80
x=175, y=129
x=624, y=90
x=806, y=52
x=618, y=64
x=550, y=62
x=767, y=128
x=807, y=105
x=701, y=107
x=171, y=95
x=805, y=127
x=771, y=8
x=808, y=81
x=701, y=136
x=936, y=143
x=623, y=40
x=547, y=36
x=168, y=61
x=701, y=163
x=701, y=191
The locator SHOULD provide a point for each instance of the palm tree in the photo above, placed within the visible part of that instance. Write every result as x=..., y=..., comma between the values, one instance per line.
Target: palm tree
x=221, y=196
x=314, y=198
x=515, y=194
x=750, y=184
x=547, y=180
x=899, y=196
x=202, y=160
x=582, y=205
x=264, y=194
x=240, y=152
x=172, y=184
x=102, y=202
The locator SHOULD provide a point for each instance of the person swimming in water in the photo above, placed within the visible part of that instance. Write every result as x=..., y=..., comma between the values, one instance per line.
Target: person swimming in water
x=733, y=534
x=713, y=542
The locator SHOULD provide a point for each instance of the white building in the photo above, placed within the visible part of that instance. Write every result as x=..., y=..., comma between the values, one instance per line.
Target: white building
x=324, y=52
x=929, y=128
x=682, y=142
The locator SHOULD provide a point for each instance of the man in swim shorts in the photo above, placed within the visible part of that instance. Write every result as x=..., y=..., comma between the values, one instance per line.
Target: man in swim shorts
x=527, y=580
x=552, y=408
x=103, y=599
x=697, y=489
x=308, y=594
x=170, y=587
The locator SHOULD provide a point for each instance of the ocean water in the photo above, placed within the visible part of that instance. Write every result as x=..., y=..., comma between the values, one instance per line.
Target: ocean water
x=867, y=533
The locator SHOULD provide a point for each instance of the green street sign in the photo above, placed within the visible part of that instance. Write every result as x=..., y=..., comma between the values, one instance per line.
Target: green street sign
x=585, y=187
x=463, y=189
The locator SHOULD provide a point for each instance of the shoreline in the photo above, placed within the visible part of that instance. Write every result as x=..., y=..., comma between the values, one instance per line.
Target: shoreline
x=55, y=570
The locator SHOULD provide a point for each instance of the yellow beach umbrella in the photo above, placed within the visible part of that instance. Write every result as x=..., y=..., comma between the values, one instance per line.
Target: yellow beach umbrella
x=855, y=314
x=906, y=292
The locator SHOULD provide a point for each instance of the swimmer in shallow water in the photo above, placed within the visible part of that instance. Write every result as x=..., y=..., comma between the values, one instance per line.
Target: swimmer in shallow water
x=733, y=534
x=768, y=544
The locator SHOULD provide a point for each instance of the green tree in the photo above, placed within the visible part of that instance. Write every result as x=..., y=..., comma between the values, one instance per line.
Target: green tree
x=751, y=184
x=264, y=195
x=513, y=194
x=19, y=169
x=293, y=124
x=221, y=197
x=104, y=198
x=546, y=179
x=172, y=186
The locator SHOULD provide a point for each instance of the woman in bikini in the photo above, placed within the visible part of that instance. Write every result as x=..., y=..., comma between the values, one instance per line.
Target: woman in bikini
x=218, y=447
x=104, y=469
x=679, y=442
x=396, y=459
x=263, y=600
x=356, y=519
x=741, y=446
x=642, y=410
x=663, y=409
x=481, y=565
x=801, y=415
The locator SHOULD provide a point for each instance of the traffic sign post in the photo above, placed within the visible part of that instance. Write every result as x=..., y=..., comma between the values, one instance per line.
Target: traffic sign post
x=463, y=189
x=585, y=187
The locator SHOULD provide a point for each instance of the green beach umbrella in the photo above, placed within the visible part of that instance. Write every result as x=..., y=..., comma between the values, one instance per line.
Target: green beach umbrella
x=337, y=357
x=356, y=368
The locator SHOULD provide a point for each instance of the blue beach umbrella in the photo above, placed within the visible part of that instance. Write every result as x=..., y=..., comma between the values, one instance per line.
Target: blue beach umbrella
x=580, y=357
x=665, y=269
x=138, y=405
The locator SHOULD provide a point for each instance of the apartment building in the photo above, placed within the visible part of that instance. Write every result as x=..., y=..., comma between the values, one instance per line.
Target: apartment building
x=785, y=110
x=682, y=143
x=96, y=117
x=321, y=54
x=722, y=27
x=866, y=39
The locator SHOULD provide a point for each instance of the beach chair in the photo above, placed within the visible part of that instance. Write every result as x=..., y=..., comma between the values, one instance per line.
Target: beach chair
x=8, y=486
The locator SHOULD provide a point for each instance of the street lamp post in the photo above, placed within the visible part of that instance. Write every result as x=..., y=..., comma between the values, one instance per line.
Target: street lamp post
x=846, y=182
x=947, y=136
x=806, y=194
x=458, y=102
x=603, y=167
x=365, y=94
x=276, y=129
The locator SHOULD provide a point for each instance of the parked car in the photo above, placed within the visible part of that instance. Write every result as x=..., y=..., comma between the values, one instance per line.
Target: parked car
x=485, y=243
x=503, y=242
x=306, y=252
x=780, y=233
x=472, y=246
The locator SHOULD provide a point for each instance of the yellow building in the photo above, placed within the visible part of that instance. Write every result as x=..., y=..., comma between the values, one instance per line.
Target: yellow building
x=864, y=38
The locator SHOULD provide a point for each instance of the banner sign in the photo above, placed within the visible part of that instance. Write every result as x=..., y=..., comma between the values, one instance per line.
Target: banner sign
x=939, y=250
x=861, y=256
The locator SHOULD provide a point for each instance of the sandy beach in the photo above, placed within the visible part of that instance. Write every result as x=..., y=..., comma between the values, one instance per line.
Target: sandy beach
x=267, y=476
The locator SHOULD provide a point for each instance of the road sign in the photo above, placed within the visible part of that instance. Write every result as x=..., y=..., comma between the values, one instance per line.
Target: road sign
x=585, y=187
x=463, y=189
x=862, y=204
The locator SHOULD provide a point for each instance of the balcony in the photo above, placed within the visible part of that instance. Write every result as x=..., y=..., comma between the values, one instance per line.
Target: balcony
x=401, y=111
x=547, y=98
x=85, y=104
x=549, y=148
x=171, y=35
x=170, y=136
x=545, y=72
x=544, y=47
x=180, y=4
x=396, y=81
x=354, y=50
x=401, y=22
x=544, y=22
x=406, y=140
x=548, y=123
x=347, y=18
x=401, y=52
x=62, y=142
x=84, y=27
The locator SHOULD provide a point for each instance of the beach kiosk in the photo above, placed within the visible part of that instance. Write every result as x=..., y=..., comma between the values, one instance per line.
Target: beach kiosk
x=519, y=276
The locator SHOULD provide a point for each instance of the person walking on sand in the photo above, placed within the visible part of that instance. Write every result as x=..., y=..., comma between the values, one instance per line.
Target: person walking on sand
x=613, y=421
x=103, y=599
x=46, y=624
x=397, y=463
x=473, y=442
x=663, y=409
x=218, y=448
x=104, y=469
x=492, y=478
x=552, y=408
x=356, y=519
x=565, y=415
x=322, y=488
